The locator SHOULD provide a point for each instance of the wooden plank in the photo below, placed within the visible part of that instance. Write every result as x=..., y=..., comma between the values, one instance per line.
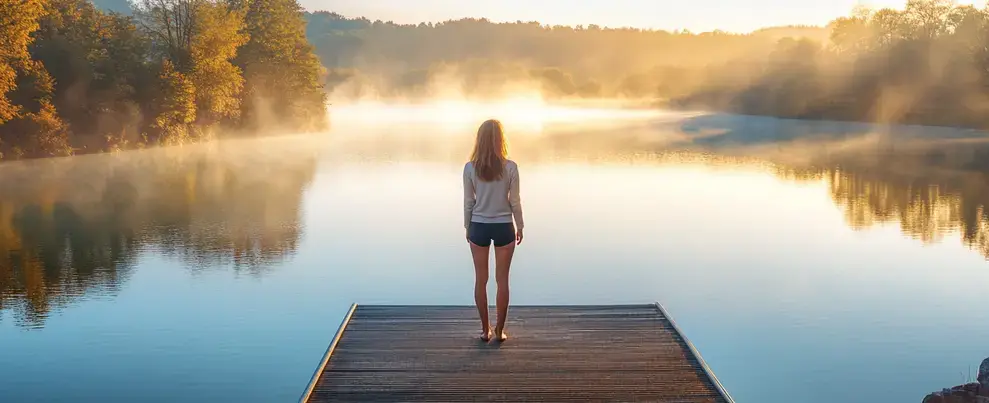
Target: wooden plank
x=693, y=350
x=326, y=356
x=556, y=353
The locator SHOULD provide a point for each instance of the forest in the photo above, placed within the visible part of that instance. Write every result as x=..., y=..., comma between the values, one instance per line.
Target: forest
x=76, y=79
x=925, y=63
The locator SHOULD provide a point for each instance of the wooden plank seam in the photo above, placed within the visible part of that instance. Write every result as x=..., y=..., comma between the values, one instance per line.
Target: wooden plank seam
x=367, y=323
x=693, y=350
x=326, y=356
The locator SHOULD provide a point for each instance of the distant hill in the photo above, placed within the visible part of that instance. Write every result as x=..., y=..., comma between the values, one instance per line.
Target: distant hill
x=120, y=6
x=815, y=33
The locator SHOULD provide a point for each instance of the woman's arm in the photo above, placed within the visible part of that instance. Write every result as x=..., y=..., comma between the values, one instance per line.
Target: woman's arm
x=514, y=199
x=469, y=198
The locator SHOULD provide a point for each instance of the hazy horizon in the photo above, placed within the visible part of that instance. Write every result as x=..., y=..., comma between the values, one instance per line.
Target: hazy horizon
x=733, y=16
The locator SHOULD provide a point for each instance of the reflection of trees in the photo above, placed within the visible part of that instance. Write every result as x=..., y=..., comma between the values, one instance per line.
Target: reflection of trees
x=73, y=228
x=246, y=216
x=933, y=181
x=924, y=212
x=55, y=253
x=928, y=200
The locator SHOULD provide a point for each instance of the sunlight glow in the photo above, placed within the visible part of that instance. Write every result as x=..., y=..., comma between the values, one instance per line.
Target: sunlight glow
x=526, y=114
x=901, y=4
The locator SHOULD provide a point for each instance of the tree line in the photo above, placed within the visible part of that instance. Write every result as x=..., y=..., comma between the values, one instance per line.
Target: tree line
x=76, y=79
x=925, y=63
x=483, y=58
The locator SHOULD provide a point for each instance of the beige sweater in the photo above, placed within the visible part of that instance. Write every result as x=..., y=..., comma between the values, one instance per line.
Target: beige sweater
x=492, y=202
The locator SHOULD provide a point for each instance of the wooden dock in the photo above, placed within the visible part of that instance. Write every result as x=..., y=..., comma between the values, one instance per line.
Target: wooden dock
x=562, y=353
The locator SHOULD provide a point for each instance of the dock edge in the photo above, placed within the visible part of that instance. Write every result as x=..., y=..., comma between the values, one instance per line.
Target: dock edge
x=326, y=356
x=346, y=320
x=707, y=370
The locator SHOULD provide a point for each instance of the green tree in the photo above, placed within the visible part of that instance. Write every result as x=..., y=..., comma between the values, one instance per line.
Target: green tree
x=123, y=83
x=97, y=61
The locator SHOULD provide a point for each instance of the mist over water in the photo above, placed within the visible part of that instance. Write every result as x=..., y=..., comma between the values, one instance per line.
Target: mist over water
x=808, y=261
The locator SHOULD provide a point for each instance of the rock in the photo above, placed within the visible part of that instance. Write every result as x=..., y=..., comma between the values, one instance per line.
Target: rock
x=970, y=389
x=984, y=373
x=937, y=398
x=968, y=393
x=975, y=392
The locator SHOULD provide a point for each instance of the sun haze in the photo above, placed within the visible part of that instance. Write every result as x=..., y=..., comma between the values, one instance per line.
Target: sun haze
x=697, y=15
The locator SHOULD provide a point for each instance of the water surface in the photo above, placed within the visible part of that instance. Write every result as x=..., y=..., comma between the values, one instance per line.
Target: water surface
x=811, y=262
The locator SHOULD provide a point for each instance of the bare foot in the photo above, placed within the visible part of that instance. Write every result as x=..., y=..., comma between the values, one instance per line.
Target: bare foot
x=501, y=336
x=485, y=336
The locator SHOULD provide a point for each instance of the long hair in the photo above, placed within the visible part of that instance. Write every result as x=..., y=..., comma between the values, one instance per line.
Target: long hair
x=490, y=151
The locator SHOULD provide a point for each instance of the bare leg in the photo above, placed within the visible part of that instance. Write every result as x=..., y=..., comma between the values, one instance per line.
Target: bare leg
x=503, y=262
x=480, y=255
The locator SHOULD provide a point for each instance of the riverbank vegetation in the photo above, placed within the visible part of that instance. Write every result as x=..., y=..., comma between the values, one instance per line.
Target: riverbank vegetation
x=926, y=63
x=75, y=79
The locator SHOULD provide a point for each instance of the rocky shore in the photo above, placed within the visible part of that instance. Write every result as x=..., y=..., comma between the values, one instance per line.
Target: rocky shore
x=975, y=392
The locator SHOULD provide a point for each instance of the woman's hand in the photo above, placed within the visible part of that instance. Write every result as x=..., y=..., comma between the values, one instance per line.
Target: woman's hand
x=518, y=237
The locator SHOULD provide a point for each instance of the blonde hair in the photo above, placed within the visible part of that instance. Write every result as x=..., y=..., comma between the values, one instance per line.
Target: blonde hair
x=490, y=151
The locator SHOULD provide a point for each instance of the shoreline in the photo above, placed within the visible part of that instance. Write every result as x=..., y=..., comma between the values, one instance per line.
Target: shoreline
x=972, y=392
x=628, y=104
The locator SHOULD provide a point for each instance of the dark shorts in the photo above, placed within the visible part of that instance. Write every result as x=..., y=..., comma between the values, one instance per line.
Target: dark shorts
x=481, y=234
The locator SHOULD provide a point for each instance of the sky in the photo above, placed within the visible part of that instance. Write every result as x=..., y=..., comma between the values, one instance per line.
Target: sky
x=693, y=15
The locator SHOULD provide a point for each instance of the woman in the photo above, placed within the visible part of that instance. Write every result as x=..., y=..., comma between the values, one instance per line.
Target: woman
x=491, y=200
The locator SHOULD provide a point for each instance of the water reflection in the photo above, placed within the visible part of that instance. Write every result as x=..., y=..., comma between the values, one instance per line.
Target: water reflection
x=738, y=231
x=931, y=181
x=928, y=198
x=75, y=227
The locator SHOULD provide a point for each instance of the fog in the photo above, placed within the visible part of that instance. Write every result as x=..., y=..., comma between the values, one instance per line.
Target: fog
x=238, y=203
x=922, y=63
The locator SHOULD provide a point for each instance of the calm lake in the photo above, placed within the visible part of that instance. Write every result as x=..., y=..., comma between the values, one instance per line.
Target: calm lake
x=807, y=261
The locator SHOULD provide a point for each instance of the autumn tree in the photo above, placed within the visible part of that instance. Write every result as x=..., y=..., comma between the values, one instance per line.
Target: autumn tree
x=74, y=78
x=281, y=72
x=169, y=25
x=217, y=35
x=194, y=42
x=930, y=18
x=175, y=107
x=97, y=61
x=31, y=127
x=20, y=19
